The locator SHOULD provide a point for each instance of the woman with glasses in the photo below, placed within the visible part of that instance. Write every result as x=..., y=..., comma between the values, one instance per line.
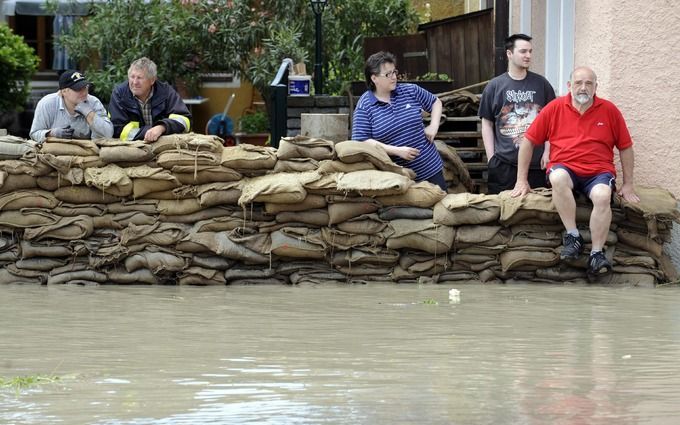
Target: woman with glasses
x=389, y=115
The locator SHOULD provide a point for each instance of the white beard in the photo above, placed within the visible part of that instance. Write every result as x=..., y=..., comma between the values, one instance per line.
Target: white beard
x=582, y=98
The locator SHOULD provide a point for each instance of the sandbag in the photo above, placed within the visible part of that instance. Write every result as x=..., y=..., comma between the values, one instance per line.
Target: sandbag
x=305, y=147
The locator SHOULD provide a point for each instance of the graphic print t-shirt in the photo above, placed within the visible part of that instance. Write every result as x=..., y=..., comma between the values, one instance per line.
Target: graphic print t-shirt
x=513, y=105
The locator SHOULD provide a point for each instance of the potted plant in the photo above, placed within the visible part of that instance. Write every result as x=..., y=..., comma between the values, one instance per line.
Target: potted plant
x=253, y=128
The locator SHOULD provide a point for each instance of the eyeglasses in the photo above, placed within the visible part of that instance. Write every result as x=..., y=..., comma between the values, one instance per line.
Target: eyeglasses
x=394, y=73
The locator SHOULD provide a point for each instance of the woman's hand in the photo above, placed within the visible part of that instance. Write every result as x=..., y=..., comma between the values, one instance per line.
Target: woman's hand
x=405, y=152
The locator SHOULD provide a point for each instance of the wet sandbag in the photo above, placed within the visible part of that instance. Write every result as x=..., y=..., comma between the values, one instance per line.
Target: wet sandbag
x=179, y=207
x=160, y=234
x=84, y=195
x=66, y=228
x=111, y=179
x=203, y=214
x=246, y=157
x=351, y=151
x=522, y=259
x=305, y=147
x=309, y=202
x=124, y=151
x=481, y=235
x=147, y=206
x=422, y=195
x=466, y=208
x=373, y=183
x=282, y=188
x=539, y=200
x=640, y=241
x=76, y=276
x=13, y=182
x=415, y=213
x=249, y=272
x=366, y=255
x=8, y=278
x=654, y=202
x=74, y=147
x=629, y=279
x=35, y=249
x=364, y=270
x=137, y=218
x=421, y=235
x=27, y=199
x=338, y=239
x=219, y=224
x=211, y=262
x=220, y=243
x=156, y=261
x=421, y=263
x=55, y=180
x=298, y=242
x=137, y=277
x=201, y=276
x=72, y=210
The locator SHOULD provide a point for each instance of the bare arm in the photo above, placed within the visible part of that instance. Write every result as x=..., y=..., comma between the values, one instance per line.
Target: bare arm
x=627, y=190
x=404, y=152
x=489, y=138
x=435, y=117
x=526, y=149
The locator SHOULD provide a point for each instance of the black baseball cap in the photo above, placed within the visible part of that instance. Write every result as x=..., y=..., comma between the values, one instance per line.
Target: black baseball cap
x=73, y=80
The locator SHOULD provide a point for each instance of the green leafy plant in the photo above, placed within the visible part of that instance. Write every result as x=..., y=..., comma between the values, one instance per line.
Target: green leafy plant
x=255, y=122
x=433, y=76
x=19, y=383
x=18, y=63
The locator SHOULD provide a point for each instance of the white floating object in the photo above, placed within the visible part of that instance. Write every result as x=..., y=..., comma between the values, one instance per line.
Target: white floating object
x=454, y=295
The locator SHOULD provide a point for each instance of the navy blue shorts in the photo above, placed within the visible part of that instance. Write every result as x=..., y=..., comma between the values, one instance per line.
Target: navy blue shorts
x=584, y=184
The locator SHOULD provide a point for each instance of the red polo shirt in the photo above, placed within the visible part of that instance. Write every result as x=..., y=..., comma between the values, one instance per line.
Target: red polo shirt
x=584, y=143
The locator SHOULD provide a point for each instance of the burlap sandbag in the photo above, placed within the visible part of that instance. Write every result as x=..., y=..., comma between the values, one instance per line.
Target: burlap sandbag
x=640, y=241
x=295, y=165
x=327, y=184
x=351, y=151
x=8, y=278
x=201, y=276
x=53, y=182
x=124, y=151
x=205, y=174
x=63, y=163
x=137, y=277
x=366, y=255
x=635, y=260
x=422, y=194
x=27, y=199
x=157, y=262
x=27, y=164
x=421, y=235
x=13, y=182
x=33, y=249
x=220, y=243
x=75, y=147
x=643, y=280
x=179, y=207
x=159, y=234
x=314, y=217
x=342, y=211
x=111, y=179
x=15, y=147
x=67, y=228
x=282, y=188
x=84, y=195
x=249, y=157
x=367, y=224
x=484, y=235
x=305, y=147
x=26, y=218
x=373, y=183
x=210, y=261
x=338, y=239
x=514, y=259
x=395, y=212
x=143, y=206
x=331, y=167
x=220, y=193
x=298, y=242
x=455, y=166
x=466, y=208
x=203, y=214
x=172, y=158
x=74, y=276
x=654, y=202
x=147, y=179
x=309, y=202
x=187, y=141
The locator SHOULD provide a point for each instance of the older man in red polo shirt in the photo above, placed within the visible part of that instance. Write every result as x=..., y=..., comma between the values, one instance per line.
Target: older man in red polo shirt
x=583, y=130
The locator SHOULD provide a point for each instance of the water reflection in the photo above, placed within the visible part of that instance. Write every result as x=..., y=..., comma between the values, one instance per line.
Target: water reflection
x=335, y=354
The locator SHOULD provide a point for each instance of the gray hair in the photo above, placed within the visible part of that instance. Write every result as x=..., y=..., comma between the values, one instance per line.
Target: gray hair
x=145, y=64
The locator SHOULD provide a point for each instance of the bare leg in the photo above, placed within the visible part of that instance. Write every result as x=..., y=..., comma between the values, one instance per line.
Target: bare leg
x=563, y=198
x=601, y=217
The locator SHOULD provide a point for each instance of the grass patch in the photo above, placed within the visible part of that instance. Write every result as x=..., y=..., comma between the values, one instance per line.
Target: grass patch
x=430, y=301
x=19, y=383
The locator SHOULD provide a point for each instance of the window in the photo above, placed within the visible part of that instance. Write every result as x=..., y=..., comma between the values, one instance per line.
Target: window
x=38, y=33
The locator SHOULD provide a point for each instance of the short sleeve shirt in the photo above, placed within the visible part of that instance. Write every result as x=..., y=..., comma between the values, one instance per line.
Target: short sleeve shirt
x=512, y=105
x=399, y=123
x=584, y=143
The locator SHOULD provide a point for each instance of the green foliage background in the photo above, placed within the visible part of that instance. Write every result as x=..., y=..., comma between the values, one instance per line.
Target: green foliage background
x=18, y=63
x=246, y=37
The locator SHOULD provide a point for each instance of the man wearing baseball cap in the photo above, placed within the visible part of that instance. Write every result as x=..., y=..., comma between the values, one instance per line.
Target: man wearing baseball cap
x=71, y=112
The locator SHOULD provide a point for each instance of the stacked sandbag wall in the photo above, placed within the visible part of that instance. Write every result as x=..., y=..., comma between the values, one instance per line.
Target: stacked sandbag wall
x=186, y=210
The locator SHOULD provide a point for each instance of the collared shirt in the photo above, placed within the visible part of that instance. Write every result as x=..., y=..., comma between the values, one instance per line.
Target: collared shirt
x=399, y=123
x=584, y=143
x=145, y=106
x=50, y=112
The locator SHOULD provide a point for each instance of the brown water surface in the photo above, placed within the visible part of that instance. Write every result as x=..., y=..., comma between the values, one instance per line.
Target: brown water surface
x=374, y=354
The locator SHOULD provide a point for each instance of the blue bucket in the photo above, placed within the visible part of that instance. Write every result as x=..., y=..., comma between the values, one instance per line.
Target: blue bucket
x=298, y=85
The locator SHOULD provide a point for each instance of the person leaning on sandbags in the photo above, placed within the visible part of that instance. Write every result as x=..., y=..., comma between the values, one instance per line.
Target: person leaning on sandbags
x=71, y=112
x=144, y=108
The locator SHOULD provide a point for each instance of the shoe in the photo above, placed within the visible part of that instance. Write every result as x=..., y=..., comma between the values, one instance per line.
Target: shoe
x=573, y=246
x=598, y=265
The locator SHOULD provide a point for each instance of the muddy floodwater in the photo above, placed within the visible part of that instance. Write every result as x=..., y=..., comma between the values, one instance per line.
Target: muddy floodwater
x=372, y=354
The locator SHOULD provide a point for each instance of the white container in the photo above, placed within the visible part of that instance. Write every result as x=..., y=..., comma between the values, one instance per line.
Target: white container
x=298, y=85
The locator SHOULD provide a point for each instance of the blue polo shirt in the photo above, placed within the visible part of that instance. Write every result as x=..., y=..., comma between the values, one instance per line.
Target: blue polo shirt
x=399, y=123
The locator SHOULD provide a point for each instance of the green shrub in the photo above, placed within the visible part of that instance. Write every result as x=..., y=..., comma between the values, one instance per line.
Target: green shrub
x=18, y=63
x=256, y=122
